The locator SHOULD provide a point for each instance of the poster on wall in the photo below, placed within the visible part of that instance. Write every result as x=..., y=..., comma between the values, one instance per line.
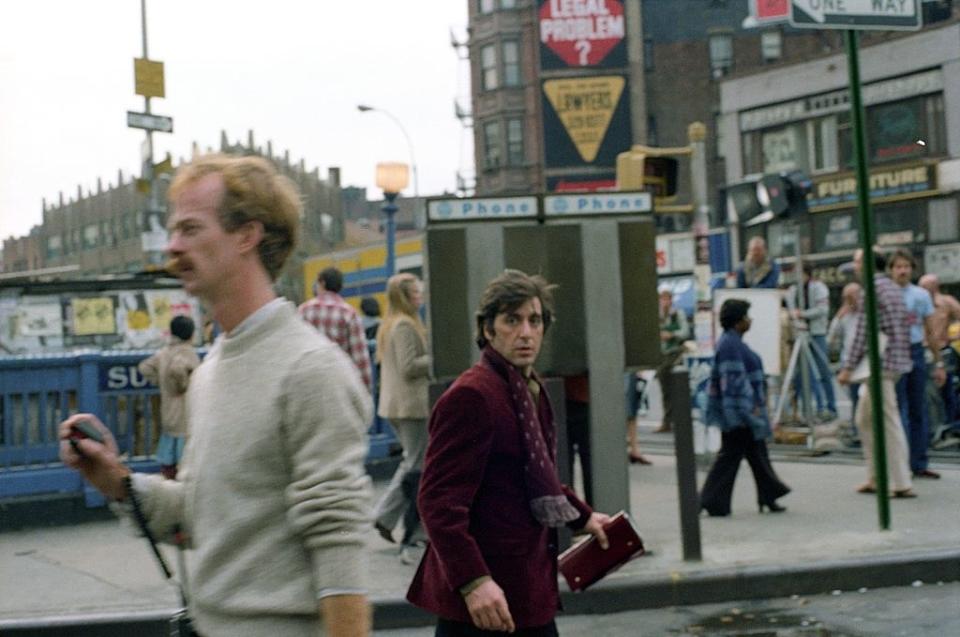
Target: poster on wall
x=582, y=33
x=144, y=316
x=93, y=316
x=41, y=319
x=166, y=304
x=944, y=261
x=586, y=121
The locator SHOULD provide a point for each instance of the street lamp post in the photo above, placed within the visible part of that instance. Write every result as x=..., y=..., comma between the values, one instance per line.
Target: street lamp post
x=365, y=108
x=392, y=177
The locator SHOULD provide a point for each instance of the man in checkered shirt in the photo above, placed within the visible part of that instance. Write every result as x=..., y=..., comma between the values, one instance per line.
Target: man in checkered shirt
x=338, y=321
x=892, y=321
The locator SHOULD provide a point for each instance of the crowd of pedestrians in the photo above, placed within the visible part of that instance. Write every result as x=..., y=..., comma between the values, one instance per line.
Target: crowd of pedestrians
x=271, y=492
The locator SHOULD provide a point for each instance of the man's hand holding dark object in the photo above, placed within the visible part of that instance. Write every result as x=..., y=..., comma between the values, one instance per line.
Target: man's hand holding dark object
x=488, y=607
x=594, y=527
x=97, y=460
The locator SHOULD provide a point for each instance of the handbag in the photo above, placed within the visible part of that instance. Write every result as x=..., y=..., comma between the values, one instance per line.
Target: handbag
x=180, y=624
x=862, y=371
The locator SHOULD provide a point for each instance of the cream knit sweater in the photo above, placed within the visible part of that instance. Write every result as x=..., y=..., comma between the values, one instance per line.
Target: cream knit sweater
x=272, y=489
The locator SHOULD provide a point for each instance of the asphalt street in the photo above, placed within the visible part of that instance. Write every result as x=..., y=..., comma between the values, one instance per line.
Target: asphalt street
x=922, y=610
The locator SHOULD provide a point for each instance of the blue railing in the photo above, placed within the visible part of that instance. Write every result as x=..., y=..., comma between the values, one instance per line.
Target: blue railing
x=38, y=392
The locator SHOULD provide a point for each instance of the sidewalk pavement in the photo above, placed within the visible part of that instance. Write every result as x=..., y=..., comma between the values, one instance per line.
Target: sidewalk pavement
x=829, y=539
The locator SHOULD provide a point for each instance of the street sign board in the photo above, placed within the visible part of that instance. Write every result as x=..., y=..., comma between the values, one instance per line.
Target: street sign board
x=597, y=203
x=148, y=77
x=482, y=208
x=149, y=121
x=877, y=15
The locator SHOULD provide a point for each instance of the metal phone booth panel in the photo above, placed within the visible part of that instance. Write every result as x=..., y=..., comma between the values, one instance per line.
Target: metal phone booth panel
x=599, y=250
x=464, y=251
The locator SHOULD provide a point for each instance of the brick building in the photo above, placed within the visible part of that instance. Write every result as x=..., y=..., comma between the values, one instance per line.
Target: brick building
x=677, y=54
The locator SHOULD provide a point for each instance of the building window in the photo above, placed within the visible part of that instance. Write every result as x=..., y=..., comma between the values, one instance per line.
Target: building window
x=822, y=144
x=721, y=53
x=54, y=246
x=487, y=6
x=511, y=63
x=488, y=67
x=515, y=142
x=508, y=4
x=771, y=46
x=648, y=54
x=91, y=236
x=491, y=145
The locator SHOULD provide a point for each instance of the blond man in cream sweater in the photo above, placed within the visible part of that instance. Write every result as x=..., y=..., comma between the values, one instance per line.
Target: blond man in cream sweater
x=272, y=492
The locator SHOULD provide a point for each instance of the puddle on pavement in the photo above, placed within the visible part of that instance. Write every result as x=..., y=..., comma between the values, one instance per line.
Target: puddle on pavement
x=775, y=622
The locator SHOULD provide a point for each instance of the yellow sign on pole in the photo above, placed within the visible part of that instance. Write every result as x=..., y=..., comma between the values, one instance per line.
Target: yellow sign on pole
x=585, y=106
x=148, y=77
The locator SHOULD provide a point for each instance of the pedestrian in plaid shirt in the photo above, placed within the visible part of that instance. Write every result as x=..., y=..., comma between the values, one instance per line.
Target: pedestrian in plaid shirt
x=338, y=321
x=892, y=321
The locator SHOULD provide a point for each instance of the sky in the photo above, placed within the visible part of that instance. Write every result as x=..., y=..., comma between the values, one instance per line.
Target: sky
x=293, y=71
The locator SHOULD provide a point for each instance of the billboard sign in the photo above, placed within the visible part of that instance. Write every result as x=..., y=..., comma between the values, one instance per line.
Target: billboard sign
x=582, y=33
x=586, y=120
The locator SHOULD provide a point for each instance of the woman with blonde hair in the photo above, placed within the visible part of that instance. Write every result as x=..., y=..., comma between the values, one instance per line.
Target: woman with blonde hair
x=405, y=369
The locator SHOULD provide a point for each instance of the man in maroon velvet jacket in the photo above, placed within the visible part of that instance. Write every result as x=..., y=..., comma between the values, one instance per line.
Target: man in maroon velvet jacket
x=490, y=498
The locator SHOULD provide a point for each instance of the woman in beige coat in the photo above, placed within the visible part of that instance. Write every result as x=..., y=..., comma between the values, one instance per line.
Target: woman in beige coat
x=404, y=374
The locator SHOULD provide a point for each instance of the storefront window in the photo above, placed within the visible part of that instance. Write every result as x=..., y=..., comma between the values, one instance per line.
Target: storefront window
x=943, y=220
x=836, y=231
x=901, y=224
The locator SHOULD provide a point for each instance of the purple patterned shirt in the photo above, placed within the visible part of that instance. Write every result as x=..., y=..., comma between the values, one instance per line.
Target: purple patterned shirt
x=892, y=320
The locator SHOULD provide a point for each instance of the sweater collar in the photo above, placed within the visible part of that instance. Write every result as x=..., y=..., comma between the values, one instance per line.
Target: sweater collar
x=261, y=315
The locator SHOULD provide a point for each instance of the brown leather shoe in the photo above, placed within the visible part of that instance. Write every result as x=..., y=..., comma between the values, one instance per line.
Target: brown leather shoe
x=904, y=493
x=867, y=488
x=638, y=459
x=927, y=473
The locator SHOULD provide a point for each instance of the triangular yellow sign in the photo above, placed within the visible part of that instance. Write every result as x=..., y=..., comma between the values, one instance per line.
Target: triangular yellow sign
x=585, y=105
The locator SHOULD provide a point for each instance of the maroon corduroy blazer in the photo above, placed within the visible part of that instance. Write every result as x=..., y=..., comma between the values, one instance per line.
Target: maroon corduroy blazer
x=475, y=510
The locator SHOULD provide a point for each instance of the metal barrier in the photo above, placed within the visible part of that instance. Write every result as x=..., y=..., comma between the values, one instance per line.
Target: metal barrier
x=38, y=391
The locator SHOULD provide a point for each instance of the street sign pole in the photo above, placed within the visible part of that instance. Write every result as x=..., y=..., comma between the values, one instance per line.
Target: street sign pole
x=866, y=239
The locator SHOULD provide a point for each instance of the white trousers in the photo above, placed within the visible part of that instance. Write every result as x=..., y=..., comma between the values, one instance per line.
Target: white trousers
x=898, y=454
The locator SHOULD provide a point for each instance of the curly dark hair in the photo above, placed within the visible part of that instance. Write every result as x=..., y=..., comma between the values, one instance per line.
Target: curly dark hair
x=506, y=293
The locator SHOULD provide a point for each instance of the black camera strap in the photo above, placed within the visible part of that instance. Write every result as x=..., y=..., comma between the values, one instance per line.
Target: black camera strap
x=141, y=519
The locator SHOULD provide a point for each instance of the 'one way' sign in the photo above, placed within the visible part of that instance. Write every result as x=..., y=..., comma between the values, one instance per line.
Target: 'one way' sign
x=879, y=15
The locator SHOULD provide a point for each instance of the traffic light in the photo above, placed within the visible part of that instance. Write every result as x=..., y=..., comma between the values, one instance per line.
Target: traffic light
x=767, y=197
x=784, y=193
x=644, y=168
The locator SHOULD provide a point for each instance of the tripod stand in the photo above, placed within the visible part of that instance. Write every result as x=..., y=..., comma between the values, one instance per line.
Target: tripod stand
x=804, y=360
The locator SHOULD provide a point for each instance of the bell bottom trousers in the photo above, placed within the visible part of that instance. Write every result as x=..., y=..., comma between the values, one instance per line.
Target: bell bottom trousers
x=736, y=445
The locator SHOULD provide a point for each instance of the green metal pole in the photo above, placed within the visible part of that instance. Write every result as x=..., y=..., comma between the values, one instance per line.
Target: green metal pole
x=866, y=239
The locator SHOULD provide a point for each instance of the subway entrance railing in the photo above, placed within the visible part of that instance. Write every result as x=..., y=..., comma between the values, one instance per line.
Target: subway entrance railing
x=38, y=391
